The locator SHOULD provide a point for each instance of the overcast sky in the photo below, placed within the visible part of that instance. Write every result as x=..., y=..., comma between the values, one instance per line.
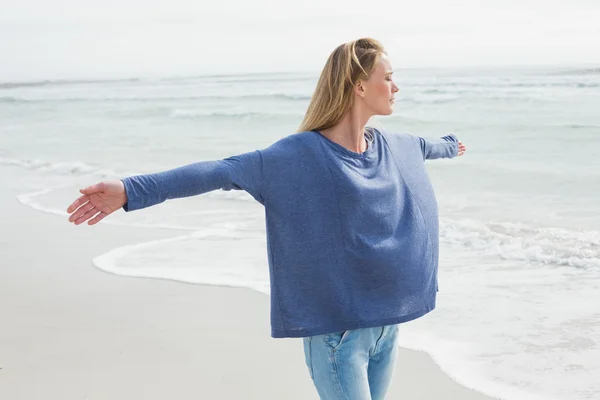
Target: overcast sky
x=79, y=39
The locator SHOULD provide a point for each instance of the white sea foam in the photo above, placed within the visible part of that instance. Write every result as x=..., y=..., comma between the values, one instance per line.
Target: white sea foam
x=504, y=328
x=202, y=257
x=62, y=168
x=192, y=114
x=156, y=97
x=453, y=358
x=521, y=242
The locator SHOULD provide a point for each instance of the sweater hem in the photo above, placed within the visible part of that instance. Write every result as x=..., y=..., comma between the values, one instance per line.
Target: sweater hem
x=320, y=330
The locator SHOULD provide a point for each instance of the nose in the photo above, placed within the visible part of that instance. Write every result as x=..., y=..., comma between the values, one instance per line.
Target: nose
x=395, y=88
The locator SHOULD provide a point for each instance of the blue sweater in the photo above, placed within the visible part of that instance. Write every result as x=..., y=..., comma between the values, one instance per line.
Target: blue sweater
x=352, y=239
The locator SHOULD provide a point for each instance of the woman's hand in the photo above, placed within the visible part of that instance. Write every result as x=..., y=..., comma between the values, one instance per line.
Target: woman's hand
x=97, y=201
x=461, y=149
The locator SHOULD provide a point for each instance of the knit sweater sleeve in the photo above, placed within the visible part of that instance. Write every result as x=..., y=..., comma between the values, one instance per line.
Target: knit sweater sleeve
x=445, y=147
x=241, y=172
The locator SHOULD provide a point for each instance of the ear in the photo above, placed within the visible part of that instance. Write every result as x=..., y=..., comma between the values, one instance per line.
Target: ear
x=359, y=89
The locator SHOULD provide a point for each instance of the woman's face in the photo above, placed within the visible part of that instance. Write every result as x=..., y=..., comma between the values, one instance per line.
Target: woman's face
x=379, y=89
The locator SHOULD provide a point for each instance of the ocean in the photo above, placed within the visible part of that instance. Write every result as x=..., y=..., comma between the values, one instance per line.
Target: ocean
x=518, y=311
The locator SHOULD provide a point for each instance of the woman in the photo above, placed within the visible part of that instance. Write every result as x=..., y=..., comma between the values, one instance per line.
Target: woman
x=352, y=223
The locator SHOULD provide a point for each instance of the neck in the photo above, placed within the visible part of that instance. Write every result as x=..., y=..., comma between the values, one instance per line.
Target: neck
x=350, y=131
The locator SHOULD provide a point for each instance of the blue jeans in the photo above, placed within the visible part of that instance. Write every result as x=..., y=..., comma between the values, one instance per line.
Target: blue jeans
x=352, y=365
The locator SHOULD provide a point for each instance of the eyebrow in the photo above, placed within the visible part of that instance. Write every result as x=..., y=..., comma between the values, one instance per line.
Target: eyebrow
x=389, y=72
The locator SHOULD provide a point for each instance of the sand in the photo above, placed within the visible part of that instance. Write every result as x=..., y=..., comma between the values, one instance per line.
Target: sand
x=70, y=331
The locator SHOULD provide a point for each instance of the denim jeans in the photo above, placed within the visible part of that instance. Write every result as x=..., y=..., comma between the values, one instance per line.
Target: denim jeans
x=352, y=365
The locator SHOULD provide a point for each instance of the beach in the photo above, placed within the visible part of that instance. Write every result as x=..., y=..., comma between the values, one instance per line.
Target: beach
x=176, y=295
x=71, y=331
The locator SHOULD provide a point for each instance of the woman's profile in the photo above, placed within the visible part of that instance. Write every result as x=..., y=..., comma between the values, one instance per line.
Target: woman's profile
x=351, y=222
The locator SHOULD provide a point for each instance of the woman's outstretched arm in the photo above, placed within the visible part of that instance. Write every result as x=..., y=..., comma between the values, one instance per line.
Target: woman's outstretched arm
x=136, y=192
x=447, y=147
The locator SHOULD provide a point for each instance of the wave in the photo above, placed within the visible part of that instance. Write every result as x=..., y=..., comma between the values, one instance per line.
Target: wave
x=520, y=242
x=461, y=87
x=280, y=96
x=61, y=168
x=440, y=91
x=262, y=78
x=249, y=97
x=218, y=78
x=16, y=85
x=274, y=98
x=109, y=262
x=251, y=76
x=577, y=126
x=556, y=84
x=582, y=71
x=195, y=114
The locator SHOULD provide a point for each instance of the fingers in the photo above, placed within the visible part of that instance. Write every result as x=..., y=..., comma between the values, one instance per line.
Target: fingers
x=82, y=204
x=81, y=211
x=97, y=219
x=77, y=203
x=98, y=187
x=93, y=211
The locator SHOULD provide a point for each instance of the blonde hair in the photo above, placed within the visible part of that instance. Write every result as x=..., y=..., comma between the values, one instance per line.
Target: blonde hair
x=346, y=66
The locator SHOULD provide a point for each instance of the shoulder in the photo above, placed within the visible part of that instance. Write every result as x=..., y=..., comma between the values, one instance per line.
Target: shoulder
x=395, y=138
x=296, y=147
x=292, y=143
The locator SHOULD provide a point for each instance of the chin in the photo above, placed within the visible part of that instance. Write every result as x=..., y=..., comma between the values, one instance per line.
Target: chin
x=388, y=110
